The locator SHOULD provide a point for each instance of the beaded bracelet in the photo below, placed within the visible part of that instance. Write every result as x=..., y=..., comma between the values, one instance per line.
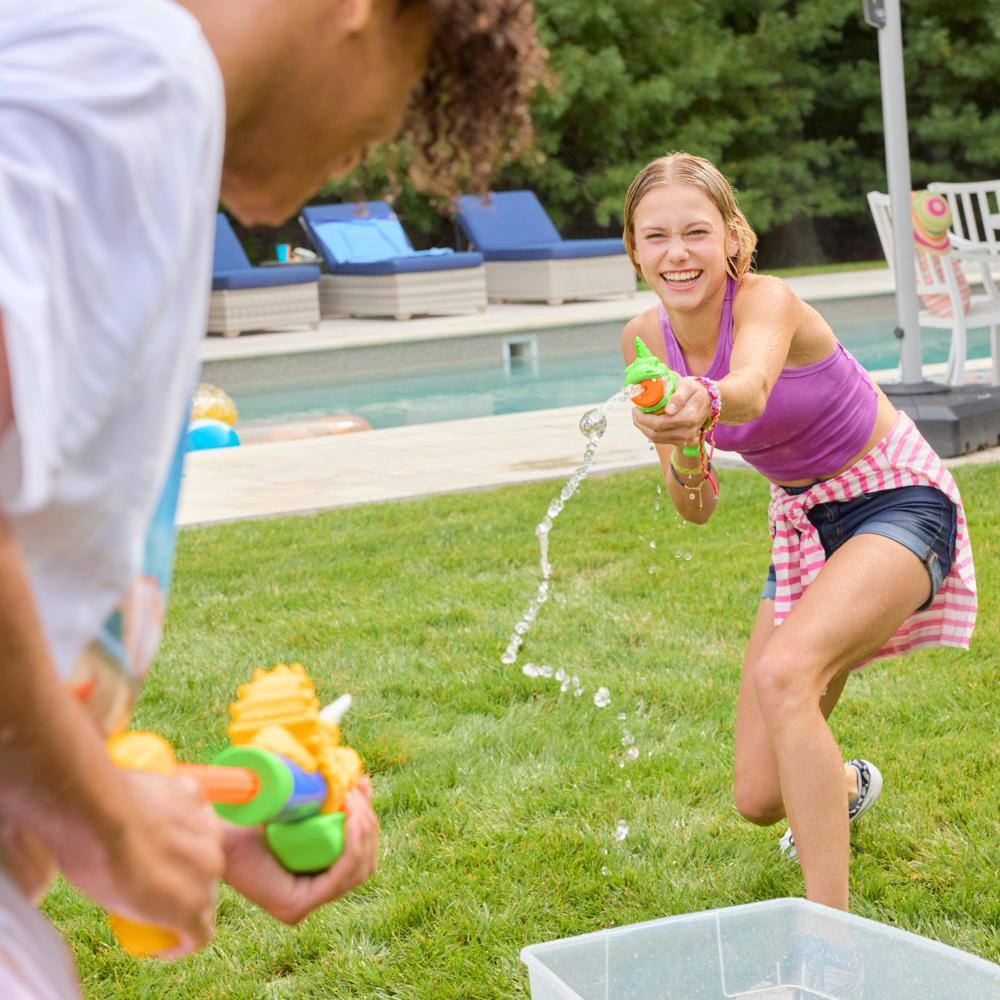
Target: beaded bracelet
x=693, y=470
x=715, y=401
x=708, y=431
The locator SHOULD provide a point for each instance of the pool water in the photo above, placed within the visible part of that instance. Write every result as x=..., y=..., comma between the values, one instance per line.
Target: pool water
x=457, y=378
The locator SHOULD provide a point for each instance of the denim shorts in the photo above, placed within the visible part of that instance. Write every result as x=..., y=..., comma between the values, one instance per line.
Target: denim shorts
x=920, y=517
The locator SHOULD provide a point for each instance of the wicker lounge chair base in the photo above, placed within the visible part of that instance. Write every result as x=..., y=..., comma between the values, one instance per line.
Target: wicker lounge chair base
x=232, y=311
x=558, y=281
x=423, y=293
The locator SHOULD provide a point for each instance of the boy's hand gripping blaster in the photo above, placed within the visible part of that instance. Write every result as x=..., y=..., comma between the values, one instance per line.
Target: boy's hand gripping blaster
x=285, y=769
x=658, y=385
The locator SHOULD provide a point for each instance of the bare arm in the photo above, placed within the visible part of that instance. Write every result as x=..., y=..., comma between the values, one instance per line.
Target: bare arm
x=6, y=403
x=691, y=494
x=764, y=325
x=146, y=846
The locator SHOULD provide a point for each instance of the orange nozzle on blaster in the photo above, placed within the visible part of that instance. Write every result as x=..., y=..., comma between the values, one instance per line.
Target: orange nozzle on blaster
x=233, y=785
x=652, y=392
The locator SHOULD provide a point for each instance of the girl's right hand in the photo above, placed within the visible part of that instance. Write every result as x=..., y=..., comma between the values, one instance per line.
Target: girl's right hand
x=161, y=867
x=682, y=420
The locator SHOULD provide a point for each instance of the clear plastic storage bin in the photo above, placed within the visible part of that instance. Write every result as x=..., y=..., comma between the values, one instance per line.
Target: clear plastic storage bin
x=781, y=949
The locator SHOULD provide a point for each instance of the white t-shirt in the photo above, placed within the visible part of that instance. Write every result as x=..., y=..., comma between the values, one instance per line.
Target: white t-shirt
x=111, y=130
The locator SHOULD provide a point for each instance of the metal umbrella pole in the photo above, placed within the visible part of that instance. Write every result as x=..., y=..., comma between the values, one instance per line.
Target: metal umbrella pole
x=884, y=15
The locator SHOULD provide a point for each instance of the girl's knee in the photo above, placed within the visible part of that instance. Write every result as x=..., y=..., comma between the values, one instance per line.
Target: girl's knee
x=784, y=681
x=756, y=802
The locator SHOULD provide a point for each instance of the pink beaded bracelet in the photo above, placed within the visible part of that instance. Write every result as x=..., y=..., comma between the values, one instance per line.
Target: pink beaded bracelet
x=708, y=431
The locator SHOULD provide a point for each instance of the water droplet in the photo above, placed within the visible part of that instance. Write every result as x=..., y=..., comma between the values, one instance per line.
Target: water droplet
x=603, y=698
x=564, y=687
x=604, y=851
x=593, y=423
x=632, y=753
x=509, y=657
x=628, y=782
x=659, y=490
x=627, y=739
x=687, y=555
x=656, y=506
x=577, y=692
x=605, y=870
x=532, y=613
x=560, y=674
x=521, y=627
x=555, y=508
x=544, y=671
x=566, y=492
x=529, y=670
x=621, y=763
x=677, y=554
x=652, y=544
x=621, y=830
x=652, y=569
x=621, y=716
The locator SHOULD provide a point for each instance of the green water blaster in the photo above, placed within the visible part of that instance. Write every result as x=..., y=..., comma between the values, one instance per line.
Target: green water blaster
x=658, y=384
x=287, y=799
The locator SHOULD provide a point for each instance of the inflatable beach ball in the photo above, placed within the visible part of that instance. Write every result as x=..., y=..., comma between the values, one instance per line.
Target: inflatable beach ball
x=205, y=433
x=212, y=403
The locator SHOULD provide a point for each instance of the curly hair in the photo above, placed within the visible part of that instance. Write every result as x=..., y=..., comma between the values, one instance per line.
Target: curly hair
x=471, y=110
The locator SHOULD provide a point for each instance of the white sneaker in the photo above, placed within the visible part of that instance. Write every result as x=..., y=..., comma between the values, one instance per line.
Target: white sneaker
x=869, y=789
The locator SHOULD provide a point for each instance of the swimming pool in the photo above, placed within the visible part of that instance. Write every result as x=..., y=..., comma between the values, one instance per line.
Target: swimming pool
x=475, y=376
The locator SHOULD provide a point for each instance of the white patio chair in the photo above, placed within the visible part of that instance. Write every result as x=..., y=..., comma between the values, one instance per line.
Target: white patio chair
x=975, y=215
x=938, y=278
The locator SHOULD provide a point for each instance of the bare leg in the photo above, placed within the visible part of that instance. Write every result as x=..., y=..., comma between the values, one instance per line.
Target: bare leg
x=860, y=597
x=757, y=788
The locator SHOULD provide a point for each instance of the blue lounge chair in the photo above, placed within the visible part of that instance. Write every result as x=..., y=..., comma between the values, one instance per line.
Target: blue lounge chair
x=374, y=270
x=245, y=297
x=527, y=260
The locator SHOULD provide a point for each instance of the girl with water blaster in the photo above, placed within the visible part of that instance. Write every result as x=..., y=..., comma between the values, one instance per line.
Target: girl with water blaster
x=870, y=551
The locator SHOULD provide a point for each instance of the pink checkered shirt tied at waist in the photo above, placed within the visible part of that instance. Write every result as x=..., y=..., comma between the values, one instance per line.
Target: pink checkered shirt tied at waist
x=901, y=458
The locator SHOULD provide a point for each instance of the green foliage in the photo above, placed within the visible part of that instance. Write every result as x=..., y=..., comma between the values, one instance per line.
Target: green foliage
x=497, y=794
x=783, y=96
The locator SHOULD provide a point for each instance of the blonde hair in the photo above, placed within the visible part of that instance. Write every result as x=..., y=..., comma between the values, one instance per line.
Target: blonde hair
x=683, y=168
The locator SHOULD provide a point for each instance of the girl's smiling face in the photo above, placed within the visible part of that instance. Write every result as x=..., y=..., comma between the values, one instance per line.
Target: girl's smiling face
x=681, y=245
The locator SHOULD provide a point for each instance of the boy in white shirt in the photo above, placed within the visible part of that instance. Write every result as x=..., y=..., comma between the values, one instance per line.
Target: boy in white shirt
x=117, y=118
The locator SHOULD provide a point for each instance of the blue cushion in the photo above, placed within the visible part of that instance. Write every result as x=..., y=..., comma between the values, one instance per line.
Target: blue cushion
x=338, y=248
x=264, y=277
x=411, y=264
x=229, y=253
x=361, y=241
x=563, y=250
x=505, y=219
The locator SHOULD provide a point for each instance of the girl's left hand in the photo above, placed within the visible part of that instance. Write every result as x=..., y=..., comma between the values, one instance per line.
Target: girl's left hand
x=252, y=870
x=682, y=420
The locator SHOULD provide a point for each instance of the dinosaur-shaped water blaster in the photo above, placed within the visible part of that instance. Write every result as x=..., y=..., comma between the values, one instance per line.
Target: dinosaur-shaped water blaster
x=285, y=769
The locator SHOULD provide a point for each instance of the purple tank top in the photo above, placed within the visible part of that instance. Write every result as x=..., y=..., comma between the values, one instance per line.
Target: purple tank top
x=816, y=419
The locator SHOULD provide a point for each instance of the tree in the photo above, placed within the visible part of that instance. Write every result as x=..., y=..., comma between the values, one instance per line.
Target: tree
x=783, y=96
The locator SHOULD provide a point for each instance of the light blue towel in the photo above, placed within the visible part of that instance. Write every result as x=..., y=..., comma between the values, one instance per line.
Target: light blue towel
x=363, y=241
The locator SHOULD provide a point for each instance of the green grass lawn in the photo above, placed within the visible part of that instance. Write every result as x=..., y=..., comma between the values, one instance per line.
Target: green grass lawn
x=497, y=794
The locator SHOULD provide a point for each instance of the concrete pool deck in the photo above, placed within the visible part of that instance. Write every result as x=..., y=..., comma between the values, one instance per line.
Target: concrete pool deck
x=304, y=476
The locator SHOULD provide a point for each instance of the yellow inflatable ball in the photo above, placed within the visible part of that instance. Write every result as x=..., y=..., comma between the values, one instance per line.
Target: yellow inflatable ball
x=212, y=403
